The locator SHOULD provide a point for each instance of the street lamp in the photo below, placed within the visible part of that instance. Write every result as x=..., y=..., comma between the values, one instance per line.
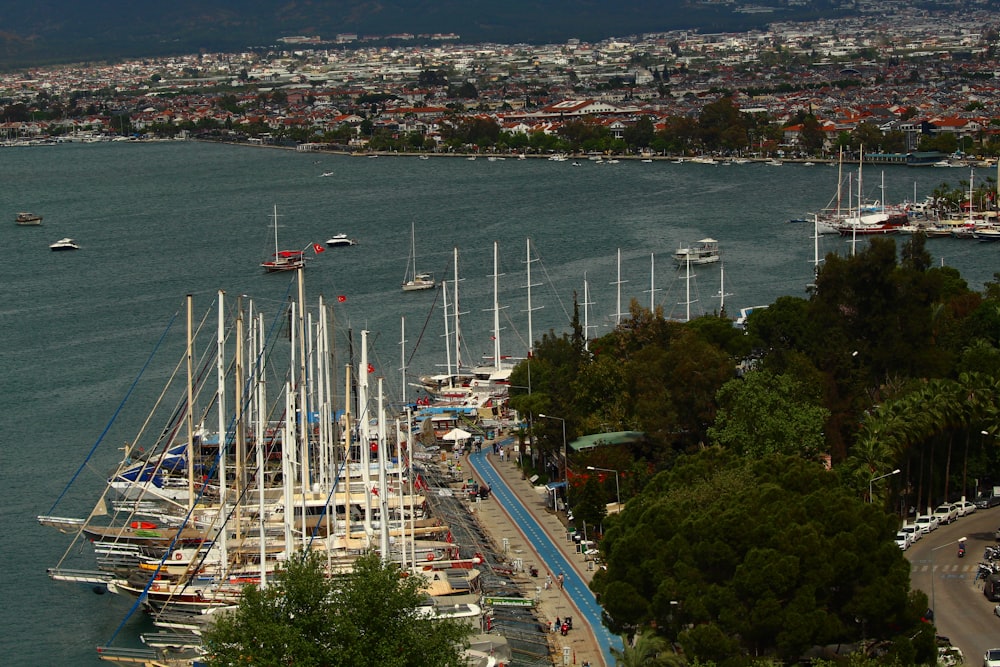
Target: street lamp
x=618, y=491
x=875, y=479
x=565, y=459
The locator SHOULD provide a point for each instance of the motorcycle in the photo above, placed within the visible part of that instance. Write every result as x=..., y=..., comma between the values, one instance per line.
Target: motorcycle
x=961, y=551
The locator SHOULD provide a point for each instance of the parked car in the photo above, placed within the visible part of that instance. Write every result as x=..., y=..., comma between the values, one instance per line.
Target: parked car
x=926, y=524
x=904, y=540
x=965, y=507
x=992, y=658
x=987, y=500
x=945, y=513
x=912, y=531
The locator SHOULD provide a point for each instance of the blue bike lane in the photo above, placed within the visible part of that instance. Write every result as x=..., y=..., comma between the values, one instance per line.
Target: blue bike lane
x=548, y=551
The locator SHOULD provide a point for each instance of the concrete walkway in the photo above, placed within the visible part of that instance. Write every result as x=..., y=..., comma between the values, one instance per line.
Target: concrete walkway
x=516, y=516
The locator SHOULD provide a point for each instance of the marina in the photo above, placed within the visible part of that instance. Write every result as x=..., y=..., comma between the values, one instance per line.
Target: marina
x=146, y=247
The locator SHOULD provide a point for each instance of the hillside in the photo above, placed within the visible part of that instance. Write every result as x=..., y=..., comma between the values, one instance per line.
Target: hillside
x=49, y=31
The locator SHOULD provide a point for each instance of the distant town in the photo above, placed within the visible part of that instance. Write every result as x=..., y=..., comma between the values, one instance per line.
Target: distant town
x=898, y=85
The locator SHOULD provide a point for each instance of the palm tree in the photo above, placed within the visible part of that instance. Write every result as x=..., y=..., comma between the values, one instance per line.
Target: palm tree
x=646, y=649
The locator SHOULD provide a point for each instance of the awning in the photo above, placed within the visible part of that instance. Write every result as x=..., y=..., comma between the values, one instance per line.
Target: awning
x=457, y=434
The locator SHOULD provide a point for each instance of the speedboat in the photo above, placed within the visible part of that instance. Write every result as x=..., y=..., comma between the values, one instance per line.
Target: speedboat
x=64, y=244
x=338, y=240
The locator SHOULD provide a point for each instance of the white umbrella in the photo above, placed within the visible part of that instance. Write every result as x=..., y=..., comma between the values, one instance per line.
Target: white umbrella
x=457, y=435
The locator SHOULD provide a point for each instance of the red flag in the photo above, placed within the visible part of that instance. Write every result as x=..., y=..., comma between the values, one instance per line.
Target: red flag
x=371, y=369
x=341, y=298
x=317, y=248
x=375, y=490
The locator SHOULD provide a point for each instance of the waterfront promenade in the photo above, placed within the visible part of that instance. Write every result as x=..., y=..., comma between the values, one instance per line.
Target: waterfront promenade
x=517, y=516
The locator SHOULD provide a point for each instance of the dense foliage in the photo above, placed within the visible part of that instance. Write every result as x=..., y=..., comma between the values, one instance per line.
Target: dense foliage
x=731, y=556
x=368, y=616
x=748, y=528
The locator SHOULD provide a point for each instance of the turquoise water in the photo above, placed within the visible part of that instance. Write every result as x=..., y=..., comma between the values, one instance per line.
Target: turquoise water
x=158, y=221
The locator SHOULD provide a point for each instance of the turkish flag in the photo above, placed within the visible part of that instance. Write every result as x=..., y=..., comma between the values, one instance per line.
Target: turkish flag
x=341, y=298
x=371, y=369
x=317, y=248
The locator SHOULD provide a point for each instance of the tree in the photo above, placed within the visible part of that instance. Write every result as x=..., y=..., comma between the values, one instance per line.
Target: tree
x=764, y=413
x=645, y=650
x=767, y=558
x=369, y=616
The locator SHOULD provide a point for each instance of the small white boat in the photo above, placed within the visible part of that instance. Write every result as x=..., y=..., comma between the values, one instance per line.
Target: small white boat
x=325, y=174
x=28, y=219
x=705, y=251
x=338, y=240
x=64, y=244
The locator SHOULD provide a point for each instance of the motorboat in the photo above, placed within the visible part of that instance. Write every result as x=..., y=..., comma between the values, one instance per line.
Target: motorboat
x=705, y=251
x=28, y=219
x=338, y=240
x=64, y=244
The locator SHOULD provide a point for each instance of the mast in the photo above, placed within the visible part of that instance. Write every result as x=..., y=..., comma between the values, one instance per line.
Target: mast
x=275, y=232
x=413, y=249
x=529, y=285
x=652, y=283
x=722, y=289
x=365, y=424
x=458, y=335
x=618, y=286
x=586, y=312
x=190, y=402
x=239, y=470
x=220, y=399
x=447, y=334
x=383, y=495
x=261, y=413
x=402, y=356
x=303, y=402
x=348, y=438
x=496, y=305
x=687, y=288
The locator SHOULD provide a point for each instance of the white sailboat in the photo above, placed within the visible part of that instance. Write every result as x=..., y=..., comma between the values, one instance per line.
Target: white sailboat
x=414, y=281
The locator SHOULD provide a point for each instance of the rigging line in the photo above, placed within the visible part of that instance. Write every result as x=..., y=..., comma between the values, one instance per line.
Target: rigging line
x=548, y=278
x=121, y=405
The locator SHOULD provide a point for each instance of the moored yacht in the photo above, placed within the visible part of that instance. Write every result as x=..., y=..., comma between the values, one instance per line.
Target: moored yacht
x=705, y=251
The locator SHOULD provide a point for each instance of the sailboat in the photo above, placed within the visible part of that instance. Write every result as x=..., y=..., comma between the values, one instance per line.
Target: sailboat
x=283, y=260
x=415, y=281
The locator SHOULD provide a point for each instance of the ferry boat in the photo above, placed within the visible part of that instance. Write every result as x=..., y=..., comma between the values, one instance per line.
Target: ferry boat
x=28, y=219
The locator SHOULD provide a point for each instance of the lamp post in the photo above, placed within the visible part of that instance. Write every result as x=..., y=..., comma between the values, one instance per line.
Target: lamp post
x=618, y=491
x=875, y=479
x=565, y=459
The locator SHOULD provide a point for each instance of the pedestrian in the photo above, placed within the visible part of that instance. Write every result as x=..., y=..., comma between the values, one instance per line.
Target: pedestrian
x=562, y=578
x=548, y=581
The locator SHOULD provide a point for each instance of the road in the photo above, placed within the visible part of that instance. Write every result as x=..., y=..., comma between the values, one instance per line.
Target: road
x=961, y=611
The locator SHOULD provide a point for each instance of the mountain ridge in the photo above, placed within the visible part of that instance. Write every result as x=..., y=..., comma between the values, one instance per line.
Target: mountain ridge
x=50, y=31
